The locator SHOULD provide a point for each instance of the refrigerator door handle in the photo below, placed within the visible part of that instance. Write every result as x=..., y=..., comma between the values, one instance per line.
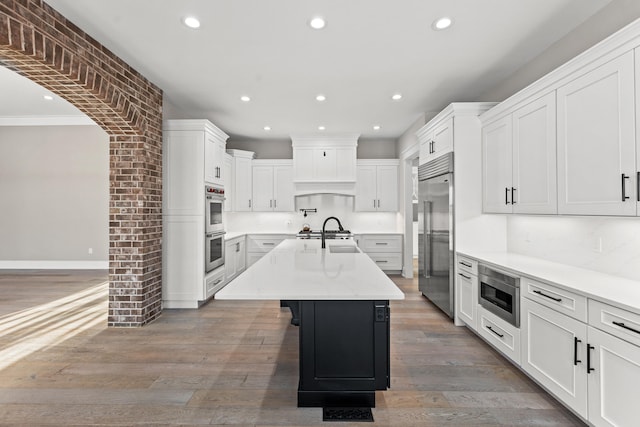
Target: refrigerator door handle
x=428, y=244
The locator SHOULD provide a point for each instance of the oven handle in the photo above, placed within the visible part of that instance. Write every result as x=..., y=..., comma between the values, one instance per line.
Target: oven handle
x=215, y=234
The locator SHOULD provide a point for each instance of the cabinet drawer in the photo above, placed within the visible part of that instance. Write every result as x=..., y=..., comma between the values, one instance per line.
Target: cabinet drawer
x=214, y=282
x=566, y=302
x=468, y=265
x=381, y=243
x=502, y=335
x=387, y=261
x=263, y=244
x=617, y=321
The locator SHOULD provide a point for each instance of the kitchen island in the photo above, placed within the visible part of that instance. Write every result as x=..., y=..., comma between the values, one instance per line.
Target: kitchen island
x=344, y=317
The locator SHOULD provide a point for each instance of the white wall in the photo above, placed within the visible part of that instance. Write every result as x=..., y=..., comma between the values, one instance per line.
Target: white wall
x=54, y=192
x=326, y=204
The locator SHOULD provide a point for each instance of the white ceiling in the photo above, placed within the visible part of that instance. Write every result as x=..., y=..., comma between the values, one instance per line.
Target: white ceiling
x=369, y=50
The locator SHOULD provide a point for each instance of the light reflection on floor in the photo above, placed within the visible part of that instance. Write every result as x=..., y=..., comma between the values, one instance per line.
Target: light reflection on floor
x=40, y=327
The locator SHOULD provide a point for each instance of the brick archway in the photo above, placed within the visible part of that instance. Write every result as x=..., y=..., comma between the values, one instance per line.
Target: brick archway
x=39, y=43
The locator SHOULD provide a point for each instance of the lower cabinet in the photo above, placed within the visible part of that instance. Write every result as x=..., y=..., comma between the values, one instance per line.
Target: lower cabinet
x=260, y=244
x=214, y=281
x=467, y=291
x=235, y=257
x=384, y=249
x=497, y=332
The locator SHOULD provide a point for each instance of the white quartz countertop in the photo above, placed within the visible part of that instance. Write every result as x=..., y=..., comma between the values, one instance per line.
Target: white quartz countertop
x=619, y=291
x=300, y=269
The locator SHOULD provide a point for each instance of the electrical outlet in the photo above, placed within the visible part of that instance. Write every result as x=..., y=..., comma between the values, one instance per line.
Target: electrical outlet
x=90, y=251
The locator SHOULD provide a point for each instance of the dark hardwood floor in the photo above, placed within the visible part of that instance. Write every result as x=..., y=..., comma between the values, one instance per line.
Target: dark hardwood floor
x=232, y=363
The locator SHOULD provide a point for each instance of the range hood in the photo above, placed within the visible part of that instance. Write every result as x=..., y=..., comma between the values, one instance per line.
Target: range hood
x=324, y=164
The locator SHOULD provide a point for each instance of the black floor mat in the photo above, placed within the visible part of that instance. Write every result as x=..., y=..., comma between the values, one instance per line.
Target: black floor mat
x=347, y=414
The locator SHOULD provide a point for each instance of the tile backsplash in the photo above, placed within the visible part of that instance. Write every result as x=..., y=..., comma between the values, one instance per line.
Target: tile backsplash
x=606, y=244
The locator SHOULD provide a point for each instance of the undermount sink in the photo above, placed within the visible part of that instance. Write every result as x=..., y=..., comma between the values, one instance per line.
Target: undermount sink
x=343, y=249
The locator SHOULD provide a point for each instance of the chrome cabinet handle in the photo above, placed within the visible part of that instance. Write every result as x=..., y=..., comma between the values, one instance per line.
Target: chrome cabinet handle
x=547, y=296
x=498, y=334
x=622, y=325
x=624, y=189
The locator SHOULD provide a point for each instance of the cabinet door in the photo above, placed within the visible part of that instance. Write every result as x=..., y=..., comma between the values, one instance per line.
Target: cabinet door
x=613, y=384
x=442, y=138
x=283, y=188
x=230, y=260
x=303, y=164
x=534, y=157
x=596, y=141
x=209, y=159
x=496, y=166
x=218, y=162
x=243, y=185
x=366, y=192
x=229, y=190
x=241, y=256
x=262, y=188
x=387, y=184
x=324, y=164
x=345, y=164
x=425, y=155
x=554, y=353
x=467, y=298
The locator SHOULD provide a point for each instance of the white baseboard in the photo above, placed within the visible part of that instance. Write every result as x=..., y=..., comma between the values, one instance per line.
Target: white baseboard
x=53, y=265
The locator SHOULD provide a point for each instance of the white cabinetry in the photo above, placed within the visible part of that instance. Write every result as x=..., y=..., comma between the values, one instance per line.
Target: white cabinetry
x=596, y=141
x=260, y=244
x=193, y=155
x=242, y=180
x=502, y=335
x=519, y=160
x=384, y=249
x=435, y=141
x=377, y=186
x=229, y=183
x=272, y=185
x=324, y=158
x=235, y=257
x=467, y=291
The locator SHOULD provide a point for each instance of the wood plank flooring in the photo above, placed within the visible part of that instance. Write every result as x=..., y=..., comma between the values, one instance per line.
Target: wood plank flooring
x=232, y=363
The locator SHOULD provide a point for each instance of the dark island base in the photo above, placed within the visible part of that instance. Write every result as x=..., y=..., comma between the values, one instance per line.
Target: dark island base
x=344, y=352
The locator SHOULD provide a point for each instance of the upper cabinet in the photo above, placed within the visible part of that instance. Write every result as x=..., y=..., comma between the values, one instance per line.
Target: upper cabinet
x=436, y=141
x=193, y=155
x=242, y=180
x=229, y=184
x=587, y=109
x=273, y=186
x=377, y=186
x=519, y=160
x=596, y=141
x=324, y=158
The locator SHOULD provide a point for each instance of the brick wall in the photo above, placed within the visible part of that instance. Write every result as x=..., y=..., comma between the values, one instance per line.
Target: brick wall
x=39, y=43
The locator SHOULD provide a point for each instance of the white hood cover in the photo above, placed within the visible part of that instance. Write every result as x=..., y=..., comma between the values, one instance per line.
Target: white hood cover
x=308, y=188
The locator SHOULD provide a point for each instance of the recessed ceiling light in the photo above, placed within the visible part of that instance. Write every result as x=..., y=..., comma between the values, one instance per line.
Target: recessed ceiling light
x=245, y=98
x=191, y=22
x=321, y=98
x=267, y=128
x=317, y=23
x=321, y=128
x=442, y=23
x=397, y=96
x=48, y=97
x=376, y=127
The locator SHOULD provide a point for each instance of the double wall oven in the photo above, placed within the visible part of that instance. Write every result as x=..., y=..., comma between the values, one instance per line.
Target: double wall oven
x=214, y=228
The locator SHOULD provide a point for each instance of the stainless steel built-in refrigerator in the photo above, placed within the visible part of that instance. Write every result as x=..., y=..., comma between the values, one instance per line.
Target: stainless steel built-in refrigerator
x=435, y=232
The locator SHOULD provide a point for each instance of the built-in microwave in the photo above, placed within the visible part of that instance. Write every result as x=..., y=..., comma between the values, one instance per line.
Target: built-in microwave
x=214, y=251
x=499, y=293
x=214, y=199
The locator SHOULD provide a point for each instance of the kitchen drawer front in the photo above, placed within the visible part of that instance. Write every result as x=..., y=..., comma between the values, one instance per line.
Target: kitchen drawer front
x=566, y=302
x=502, y=335
x=214, y=282
x=264, y=244
x=380, y=243
x=616, y=321
x=468, y=265
x=387, y=261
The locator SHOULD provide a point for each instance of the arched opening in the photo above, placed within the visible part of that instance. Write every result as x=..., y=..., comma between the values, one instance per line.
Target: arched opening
x=40, y=44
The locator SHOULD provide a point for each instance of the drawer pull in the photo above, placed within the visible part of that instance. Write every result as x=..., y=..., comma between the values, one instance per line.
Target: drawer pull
x=575, y=351
x=381, y=243
x=622, y=325
x=465, y=264
x=381, y=260
x=589, y=368
x=498, y=334
x=547, y=296
x=466, y=277
x=217, y=281
x=268, y=244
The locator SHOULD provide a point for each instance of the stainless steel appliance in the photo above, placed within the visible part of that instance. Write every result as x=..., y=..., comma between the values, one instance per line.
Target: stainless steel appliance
x=436, y=232
x=214, y=199
x=329, y=234
x=214, y=251
x=499, y=293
